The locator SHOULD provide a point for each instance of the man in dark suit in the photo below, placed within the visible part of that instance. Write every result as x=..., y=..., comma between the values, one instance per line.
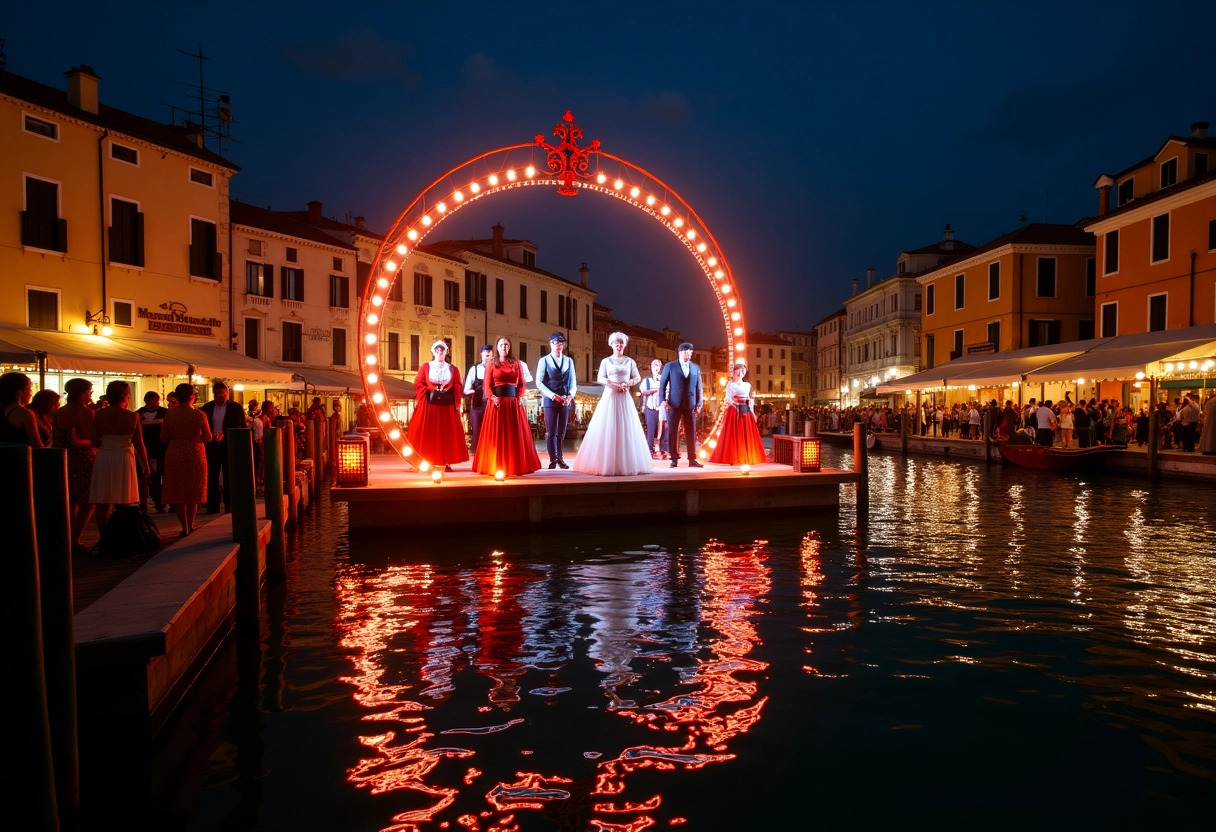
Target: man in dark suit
x=223, y=416
x=680, y=396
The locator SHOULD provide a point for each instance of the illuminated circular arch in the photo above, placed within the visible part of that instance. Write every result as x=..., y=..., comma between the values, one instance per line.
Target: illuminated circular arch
x=568, y=167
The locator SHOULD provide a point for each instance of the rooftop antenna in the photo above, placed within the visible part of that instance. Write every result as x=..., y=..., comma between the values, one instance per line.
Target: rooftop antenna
x=214, y=115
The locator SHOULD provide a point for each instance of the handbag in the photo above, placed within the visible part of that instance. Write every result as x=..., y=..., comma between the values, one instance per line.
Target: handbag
x=447, y=396
x=130, y=533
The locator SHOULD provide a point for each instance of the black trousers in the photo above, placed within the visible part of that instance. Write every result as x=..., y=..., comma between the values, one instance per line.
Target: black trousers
x=682, y=419
x=217, y=469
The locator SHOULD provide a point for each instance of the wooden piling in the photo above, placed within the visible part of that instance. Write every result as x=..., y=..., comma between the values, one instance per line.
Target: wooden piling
x=289, y=469
x=52, y=525
x=31, y=780
x=272, y=476
x=244, y=506
x=861, y=466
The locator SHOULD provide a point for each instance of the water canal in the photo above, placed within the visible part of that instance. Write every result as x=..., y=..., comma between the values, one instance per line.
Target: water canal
x=995, y=647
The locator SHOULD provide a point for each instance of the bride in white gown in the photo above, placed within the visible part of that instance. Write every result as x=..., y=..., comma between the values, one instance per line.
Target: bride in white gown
x=615, y=444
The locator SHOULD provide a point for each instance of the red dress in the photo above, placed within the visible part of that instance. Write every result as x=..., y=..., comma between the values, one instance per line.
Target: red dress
x=185, y=458
x=739, y=442
x=505, y=443
x=435, y=430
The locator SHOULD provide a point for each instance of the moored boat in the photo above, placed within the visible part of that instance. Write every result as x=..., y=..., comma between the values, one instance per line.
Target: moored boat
x=1055, y=459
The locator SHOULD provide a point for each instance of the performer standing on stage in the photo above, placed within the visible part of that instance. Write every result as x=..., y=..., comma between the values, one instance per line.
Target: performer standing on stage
x=475, y=395
x=739, y=442
x=556, y=382
x=505, y=443
x=435, y=430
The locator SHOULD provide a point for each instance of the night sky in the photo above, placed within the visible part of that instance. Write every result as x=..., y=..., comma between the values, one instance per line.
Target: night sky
x=816, y=140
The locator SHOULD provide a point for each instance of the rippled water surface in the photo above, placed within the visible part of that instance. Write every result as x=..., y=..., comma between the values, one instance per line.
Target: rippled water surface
x=992, y=648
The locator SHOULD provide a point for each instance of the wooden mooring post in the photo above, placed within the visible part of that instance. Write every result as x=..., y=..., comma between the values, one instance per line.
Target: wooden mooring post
x=31, y=781
x=272, y=479
x=861, y=466
x=244, y=507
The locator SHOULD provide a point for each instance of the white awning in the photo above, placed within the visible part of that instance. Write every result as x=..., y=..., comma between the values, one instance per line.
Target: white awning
x=70, y=352
x=333, y=381
x=937, y=376
x=1124, y=356
x=210, y=360
x=1009, y=367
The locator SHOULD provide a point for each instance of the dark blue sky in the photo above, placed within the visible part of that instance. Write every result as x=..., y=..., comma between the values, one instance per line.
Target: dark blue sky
x=815, y=139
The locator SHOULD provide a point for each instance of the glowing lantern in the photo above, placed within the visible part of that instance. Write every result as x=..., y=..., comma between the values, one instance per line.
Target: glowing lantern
x=807, y=458
x=352, y=462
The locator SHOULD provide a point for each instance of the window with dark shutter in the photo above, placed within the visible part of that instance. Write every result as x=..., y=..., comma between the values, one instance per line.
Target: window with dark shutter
x=339, y=343
x=41, y=226
x=293, y=341
x=1161, y=238
x=1156, y=313
x=1112, y=253
x=126, y=233
x=1046, y=277
x=291, y=282
x=42, y=309
x=253, y=338
x=339, y=291
x=204, y=258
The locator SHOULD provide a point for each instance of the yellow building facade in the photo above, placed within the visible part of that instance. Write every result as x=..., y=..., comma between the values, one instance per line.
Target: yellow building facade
x=1156, y=250
x=115, y=255
x=1031, y=287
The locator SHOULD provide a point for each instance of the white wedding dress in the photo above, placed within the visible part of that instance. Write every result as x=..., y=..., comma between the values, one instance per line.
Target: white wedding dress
x=615, y=442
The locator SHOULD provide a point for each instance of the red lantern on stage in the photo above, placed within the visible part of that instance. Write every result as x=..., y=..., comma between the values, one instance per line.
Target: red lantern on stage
x=351, y=469
x=808, y=456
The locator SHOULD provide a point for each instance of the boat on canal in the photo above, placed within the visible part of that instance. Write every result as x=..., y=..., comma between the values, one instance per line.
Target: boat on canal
x=1044, y=458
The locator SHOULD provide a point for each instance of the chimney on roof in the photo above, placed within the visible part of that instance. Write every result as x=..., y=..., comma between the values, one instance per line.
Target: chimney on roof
x=497, y=249
x=314, y=212
x=948, y=239
x=82, y=88
x=854, y=287
x=1199, y=130
x=582, y=274
x=359, y=222
x=1104, y=185
x=869, y=278
x=194, y=132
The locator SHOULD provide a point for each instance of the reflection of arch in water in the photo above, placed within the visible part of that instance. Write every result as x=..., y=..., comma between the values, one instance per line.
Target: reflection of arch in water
x=570, y=168
x=430, y=753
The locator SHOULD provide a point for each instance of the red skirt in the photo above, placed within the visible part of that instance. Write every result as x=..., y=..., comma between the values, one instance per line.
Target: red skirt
x=739, y=442
x=437, y=433
x=505, y=442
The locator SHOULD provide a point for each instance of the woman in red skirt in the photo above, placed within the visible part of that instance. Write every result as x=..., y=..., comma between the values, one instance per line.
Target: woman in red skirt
x=505, y=443
x=739, y=442
x=435, y=430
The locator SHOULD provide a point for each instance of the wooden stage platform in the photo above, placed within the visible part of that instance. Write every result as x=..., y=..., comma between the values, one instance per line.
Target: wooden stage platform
x=400, y=497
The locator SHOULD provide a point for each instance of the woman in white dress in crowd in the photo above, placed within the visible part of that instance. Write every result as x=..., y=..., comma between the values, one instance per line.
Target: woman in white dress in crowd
x=615, y=444
x=121, y=455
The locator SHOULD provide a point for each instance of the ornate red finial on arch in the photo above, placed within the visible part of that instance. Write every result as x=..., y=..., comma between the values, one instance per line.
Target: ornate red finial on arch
x=566, y=158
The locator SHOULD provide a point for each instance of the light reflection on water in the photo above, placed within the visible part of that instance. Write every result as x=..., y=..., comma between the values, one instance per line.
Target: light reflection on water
x=989, y=638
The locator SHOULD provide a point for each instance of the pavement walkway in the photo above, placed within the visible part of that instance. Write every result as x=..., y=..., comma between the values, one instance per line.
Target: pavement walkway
x=93, y=577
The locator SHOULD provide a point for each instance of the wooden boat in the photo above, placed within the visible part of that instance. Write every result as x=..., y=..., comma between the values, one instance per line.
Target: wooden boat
x=1055, y=459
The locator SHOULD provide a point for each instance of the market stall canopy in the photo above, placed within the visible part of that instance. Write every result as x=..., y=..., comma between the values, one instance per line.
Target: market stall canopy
x=333, y=381
x=1123, y=356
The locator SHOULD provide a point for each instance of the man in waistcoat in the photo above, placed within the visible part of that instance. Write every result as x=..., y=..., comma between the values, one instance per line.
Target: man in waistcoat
x=555, y=379
x=680, y=393
x=475, y=395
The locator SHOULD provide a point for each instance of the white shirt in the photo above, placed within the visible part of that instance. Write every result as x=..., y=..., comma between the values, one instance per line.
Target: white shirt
x=684, y=367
